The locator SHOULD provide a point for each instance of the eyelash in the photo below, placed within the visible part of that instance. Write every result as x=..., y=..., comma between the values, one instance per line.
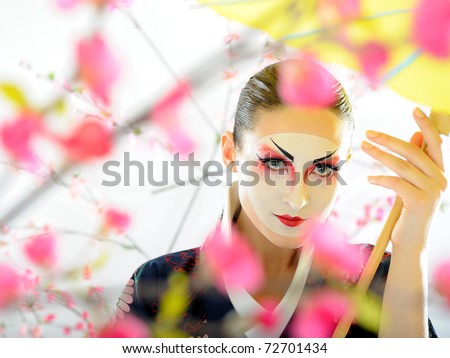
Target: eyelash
x=265, y=161
x=334, y=168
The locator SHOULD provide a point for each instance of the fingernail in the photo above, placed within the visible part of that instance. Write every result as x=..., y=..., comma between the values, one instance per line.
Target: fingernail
x=371, y=179
x=372, y=134
x=419, y=113
x=366, y=145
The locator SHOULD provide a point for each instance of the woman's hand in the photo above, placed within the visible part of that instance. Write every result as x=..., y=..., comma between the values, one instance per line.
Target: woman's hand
x=420, y=181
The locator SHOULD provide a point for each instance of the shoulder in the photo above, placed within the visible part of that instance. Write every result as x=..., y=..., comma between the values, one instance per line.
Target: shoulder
x=164, y=265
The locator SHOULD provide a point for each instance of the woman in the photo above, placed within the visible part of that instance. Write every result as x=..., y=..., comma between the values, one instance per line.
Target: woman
x=296, y=154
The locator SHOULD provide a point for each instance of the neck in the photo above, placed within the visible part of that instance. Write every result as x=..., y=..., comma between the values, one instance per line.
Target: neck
x=275, y=259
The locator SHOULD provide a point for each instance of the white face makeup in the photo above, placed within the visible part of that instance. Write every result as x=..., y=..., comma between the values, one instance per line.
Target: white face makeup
x=297, y=180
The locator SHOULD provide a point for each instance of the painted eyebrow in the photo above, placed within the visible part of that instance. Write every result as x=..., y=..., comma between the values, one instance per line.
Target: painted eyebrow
x=287, y=154
x=325, y=157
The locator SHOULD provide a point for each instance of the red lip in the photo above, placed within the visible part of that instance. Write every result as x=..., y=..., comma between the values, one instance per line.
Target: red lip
x=290, y=221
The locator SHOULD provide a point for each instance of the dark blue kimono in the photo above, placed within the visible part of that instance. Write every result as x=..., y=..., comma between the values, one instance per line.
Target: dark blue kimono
x=207, y=308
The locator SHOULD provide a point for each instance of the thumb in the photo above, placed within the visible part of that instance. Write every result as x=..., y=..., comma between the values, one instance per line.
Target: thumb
x=417, y=139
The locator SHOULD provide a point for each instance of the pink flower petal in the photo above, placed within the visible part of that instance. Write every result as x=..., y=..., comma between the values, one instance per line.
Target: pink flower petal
x=234, y=259
x=441, y=279
x=117, y=220
x=99, y=69
x=41, y=250
x=269, y=317
x=128, y=327
x=17, y=137
x=90, y=139
x=67, y=4
x=304, y=82
x=333, y=254
x=431, y=27
x=166, y=116
x=10, y=285
x=372, y=57
x=319, y=314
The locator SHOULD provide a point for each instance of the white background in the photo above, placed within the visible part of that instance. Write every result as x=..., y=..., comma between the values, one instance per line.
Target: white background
x=191, y=39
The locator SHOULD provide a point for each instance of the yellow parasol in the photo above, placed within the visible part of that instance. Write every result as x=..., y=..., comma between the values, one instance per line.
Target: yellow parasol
x=337, y=30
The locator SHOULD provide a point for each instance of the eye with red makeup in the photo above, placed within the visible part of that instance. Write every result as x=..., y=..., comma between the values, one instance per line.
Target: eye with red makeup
x=326, y=168
x=274, y=161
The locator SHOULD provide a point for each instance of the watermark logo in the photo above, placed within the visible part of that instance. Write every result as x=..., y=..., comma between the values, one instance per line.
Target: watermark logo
x=213, y=173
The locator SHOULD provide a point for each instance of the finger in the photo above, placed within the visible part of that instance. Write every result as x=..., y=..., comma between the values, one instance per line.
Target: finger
x=402, y=167
x=411, y=196
x=431, y=136
x=401, y=187
x=417, y=139
x=412, y=152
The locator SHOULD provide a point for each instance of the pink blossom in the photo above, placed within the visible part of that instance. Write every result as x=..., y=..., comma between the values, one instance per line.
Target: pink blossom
x=90, y=139
x=268, y=317
x=41, y=250
x=70, y=4
x=319, y=314
x=380, y=214
x=431, y=27
x=79, y=326
x=116, y=219
x=303, y=82
x=166, y=116
x=231, y=37
x=441, y=279
x=234, y=259
x=129, y=327
x=10, y=285
x=67, y=331
x=36, y=332
x=85, y=314
x=332, y=253
x=17, y=138
x=49, y=318
x=30, y=281
x=67, y=4
x=372, y=57
x=99, y=69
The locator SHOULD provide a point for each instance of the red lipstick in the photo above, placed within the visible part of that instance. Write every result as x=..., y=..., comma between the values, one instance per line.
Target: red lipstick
x=290, y=221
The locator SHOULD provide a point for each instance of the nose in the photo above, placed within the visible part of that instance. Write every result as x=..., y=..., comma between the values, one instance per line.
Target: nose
x=296, y=195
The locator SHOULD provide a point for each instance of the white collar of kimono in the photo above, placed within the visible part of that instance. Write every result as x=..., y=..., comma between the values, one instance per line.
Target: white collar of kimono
x=244, y=304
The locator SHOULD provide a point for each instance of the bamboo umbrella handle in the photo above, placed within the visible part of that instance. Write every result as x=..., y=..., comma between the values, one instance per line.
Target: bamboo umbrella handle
x=372, y=264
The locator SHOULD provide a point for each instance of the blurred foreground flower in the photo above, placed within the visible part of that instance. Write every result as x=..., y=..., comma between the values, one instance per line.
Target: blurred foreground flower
x=10, y=285
x=70, y=4
x=304, y=82
x=319, y=314
x=90, y=139
x=17, y=137
x=41, y=250
x=118, y=220
x=166, y=116
x=333, y=255
x=233, y=261
x=373, y=56
x=99, y=69
x=431, y=27
x=128, y=327
x=441, y=279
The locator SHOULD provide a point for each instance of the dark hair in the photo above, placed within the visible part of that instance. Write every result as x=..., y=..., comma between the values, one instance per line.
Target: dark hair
x=261, y=92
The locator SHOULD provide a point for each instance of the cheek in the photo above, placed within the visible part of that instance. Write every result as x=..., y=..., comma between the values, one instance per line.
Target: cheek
x=323, y=196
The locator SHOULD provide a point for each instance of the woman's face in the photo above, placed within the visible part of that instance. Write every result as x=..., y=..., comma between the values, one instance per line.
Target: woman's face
x=289, y=171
